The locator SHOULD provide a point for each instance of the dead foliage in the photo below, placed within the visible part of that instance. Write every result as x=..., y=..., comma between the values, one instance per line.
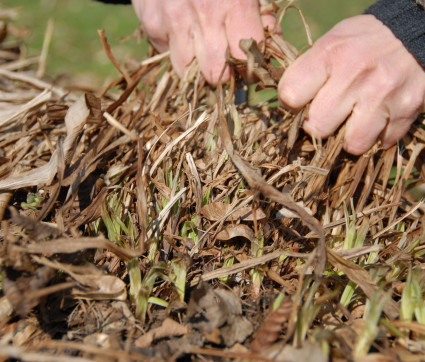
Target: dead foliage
x=158, y=219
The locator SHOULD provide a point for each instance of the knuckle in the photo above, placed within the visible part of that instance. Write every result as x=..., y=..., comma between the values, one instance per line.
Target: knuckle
x=417, y=102
x=388, y=83
x=332, y=45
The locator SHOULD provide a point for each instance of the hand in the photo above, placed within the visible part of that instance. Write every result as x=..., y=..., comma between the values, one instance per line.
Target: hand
x=358, y=72
x=203, y=29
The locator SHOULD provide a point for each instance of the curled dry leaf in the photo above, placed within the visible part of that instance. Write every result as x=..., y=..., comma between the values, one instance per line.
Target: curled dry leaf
x=234, y=231
x=218, y=210
x=105, y=287
x=93, y=284
x=169, y=328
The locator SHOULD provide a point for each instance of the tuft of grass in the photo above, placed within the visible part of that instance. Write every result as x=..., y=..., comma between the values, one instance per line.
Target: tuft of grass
x=178, y=275
x=143, y=291
x=412, y=298
x=371, y=319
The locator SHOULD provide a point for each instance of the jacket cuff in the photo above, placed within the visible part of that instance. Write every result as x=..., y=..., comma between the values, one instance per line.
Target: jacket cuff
x=406, y=19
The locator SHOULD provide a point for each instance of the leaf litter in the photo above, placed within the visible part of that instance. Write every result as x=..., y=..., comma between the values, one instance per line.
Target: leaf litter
x=159, y=219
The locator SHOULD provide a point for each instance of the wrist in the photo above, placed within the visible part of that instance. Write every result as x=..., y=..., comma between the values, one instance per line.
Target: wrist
x=406, y=19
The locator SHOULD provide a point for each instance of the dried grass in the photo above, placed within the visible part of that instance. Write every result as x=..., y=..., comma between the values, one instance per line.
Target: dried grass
x=161, y=184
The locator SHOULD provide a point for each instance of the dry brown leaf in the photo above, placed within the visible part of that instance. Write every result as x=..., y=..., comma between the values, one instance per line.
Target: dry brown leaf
x=169, y=328
x=215, y=211
x=218, y=210
x=234, y=231
x=104, y=287
x=69, y=246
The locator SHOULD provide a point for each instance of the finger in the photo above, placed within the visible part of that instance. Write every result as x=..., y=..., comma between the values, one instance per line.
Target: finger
x=160, y=44
x=405, y=106
x=268, y=17
x=394, y=131
x=210, y=46
x=243, y=22
x=364, y=126
x=329, y=109
x=152, y=23
x=303, y=79
x=181, y=48
x=268, y=20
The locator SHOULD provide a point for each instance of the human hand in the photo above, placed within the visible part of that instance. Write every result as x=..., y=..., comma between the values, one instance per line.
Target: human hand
x=358, y=72
x=203, y=29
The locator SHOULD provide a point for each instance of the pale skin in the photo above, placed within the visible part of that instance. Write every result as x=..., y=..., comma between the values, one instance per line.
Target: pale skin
x=358, y=73
x=201, y=29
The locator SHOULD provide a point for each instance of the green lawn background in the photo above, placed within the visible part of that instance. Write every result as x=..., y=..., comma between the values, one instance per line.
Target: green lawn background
x=76, y=49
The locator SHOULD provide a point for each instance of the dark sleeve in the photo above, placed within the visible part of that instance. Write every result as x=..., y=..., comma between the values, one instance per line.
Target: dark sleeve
x=406, y=19
x=126, y=2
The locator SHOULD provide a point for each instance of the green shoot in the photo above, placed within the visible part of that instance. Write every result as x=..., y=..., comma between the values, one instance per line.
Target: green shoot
x=308, y=312
x=412, y=303
x=227, y=262
x=354, y=239
x=33, y=201
x=158, y=301
x=371, y=317
x=206, y=197
x=135, y=276
x=278, y=301
x=189, y=230
x=257, y=274
x=178, y=276
x=146, y=287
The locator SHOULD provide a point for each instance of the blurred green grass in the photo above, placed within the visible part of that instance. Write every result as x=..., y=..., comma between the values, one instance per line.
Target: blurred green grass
x=321, y=15
x=76, y=49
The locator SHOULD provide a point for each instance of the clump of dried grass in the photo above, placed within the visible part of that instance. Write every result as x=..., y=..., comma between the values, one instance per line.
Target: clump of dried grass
x=136, y=210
